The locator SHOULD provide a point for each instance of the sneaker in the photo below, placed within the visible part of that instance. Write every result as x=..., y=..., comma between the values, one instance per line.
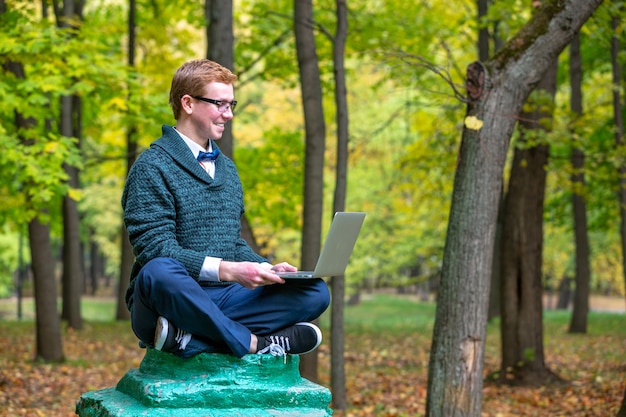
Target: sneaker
x=168, y=338
x=298, y=339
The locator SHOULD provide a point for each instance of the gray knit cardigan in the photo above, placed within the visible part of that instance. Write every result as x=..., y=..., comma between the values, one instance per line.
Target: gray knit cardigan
x=174, y=209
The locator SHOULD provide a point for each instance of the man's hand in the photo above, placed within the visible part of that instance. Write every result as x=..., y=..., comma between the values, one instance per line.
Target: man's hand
x=252, y=275
x=284, y=267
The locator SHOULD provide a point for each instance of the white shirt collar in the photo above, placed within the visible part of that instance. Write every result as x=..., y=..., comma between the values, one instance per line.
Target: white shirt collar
x=195, y=148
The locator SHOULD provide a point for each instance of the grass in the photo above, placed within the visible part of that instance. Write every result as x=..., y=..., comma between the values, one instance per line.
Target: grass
x=96, y=309
x=387, y=351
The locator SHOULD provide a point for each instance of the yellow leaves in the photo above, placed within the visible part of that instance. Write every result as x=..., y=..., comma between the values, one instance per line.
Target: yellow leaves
x=473, y=123
x=51, y=147
x=118, y=104
x=75, y=194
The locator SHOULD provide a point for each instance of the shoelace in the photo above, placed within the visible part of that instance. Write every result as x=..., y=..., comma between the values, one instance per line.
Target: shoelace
x=282, y=341
x=182, y=338
x=274, y=350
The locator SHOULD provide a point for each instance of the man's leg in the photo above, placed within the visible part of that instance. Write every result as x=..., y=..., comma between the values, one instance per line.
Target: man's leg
x=273, y=307
x=164, y=288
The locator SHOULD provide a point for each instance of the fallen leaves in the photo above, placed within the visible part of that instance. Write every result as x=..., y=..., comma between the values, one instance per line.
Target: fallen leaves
x=386, y=372
x=96, y=358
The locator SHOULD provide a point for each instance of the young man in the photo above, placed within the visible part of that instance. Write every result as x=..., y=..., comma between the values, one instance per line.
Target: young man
x=196, y=286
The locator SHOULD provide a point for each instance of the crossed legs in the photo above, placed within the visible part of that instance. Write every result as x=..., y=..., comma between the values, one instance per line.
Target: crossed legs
x=221, y=318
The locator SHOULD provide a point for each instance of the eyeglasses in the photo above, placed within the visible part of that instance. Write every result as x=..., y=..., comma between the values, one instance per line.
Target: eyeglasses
x=222, y=105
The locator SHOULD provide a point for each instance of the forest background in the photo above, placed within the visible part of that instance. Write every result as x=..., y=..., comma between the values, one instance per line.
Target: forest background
x=405, y=121
x=403, y=145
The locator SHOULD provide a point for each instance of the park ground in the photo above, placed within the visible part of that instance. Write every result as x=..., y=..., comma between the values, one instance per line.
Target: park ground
x=387, y=343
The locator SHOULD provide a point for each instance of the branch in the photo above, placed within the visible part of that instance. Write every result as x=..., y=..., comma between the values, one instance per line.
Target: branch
x=421, y=62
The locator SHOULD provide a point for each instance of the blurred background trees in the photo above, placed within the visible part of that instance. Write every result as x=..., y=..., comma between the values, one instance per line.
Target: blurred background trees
x=93, y=92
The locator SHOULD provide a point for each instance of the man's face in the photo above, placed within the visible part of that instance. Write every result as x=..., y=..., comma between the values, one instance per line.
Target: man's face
x=210, y=118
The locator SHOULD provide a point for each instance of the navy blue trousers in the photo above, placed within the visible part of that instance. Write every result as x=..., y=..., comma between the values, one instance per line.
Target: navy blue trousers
x=221, y=318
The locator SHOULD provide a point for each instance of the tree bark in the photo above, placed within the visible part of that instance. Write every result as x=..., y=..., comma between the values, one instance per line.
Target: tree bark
x=220, y=48
x=578, y=323
x=127, y=256
x=337, y=368
x=496, y=266
x=315, y=143
x=483, y=56
x=48, y=324
x=220, y=41
x=73, y=271
x=496, y=93
x=483, y=31
x=522, y=253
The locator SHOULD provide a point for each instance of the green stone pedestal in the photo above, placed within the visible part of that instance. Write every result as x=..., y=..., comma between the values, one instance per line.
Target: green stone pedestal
x=209, y=385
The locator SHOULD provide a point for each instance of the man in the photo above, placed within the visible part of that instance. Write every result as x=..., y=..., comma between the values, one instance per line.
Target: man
x=196, y=286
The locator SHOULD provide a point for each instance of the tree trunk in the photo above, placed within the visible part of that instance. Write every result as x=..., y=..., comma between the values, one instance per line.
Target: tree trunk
x=483, y=31
x=315, y=138
x=127, y=256
x=73, y=271
x=220, y=45
x=496, y=278
x=49, y=345
x=96, y=266
x=456, y=360
x=564, y=293
x=126, y=267
x=580, y=311
x=522, y=254
x=483, y=56
x=337, y=368
x=49, y=341
x=496, y=93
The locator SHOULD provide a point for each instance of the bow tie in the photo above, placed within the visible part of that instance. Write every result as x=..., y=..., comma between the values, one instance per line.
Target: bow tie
x=202, y=156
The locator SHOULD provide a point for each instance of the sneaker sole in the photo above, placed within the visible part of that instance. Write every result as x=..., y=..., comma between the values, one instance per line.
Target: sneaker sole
x=318, y=333
x=160, y=334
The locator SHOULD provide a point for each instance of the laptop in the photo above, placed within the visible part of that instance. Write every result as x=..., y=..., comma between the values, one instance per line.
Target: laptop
x=337, y=249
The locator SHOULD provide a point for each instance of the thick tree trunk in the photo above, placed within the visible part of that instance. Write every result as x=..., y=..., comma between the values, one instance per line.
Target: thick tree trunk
x=456, y=361
x=522, y=253
x=315, y=138
x=580, y=311
x=338, y=286
x=496, y=94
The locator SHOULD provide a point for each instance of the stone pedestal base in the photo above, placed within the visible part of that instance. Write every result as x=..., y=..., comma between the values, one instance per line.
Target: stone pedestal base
x=209, y=385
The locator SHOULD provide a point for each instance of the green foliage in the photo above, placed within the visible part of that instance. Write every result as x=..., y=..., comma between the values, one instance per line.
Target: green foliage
x=9, y=260
x=405, y=66
x=272, y=175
